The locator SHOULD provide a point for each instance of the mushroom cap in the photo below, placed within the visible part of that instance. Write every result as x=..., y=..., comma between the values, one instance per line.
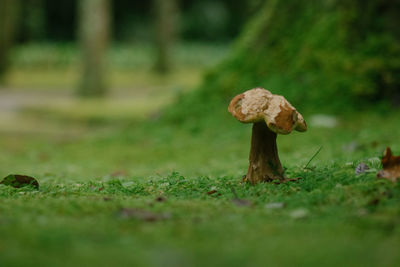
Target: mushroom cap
x=258, y=104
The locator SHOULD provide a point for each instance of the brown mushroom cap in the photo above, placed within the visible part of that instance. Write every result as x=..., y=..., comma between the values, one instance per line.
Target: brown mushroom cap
x=258, y=104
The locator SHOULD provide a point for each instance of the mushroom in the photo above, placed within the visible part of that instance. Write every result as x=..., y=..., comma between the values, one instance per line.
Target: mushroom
x=271, y=115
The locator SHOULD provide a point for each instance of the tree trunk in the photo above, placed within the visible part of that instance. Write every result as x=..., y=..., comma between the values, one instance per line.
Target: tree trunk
x=166, y=30
x=265, y=165
x=8, y=20
x=94, y=33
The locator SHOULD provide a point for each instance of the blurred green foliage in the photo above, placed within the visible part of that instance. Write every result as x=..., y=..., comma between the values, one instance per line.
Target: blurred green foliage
x=201, y=20
x=43, y=56
x=324, y=56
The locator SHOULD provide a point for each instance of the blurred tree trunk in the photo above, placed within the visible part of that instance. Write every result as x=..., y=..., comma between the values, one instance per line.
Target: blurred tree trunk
x=94, y=34
x=34, y=20
x=167, y=30
x=8, y=24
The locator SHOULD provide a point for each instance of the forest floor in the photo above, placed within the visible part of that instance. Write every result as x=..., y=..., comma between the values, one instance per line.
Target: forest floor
x=120, y=187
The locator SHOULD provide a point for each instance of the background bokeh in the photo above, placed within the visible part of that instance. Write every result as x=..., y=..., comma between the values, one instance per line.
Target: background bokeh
x=119, y=109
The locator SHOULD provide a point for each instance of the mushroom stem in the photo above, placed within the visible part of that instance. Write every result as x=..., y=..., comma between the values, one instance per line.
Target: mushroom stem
x=264, y=165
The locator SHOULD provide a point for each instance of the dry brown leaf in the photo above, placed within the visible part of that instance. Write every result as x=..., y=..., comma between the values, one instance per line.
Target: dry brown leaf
x=211, y=192
x=391, y=166
x=17, y=181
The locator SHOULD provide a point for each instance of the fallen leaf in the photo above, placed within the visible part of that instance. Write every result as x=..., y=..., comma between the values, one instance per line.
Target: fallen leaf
x=211, y=192
x=391, y=166
x=18, y=181
x=361, y=168
x=143, y=215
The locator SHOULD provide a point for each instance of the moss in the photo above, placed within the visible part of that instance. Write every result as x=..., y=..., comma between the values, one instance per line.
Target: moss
x=325, y=56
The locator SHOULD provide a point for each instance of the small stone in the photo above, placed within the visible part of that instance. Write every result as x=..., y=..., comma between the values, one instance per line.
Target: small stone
x=361, y=168
x=275, y=205
x=127, y=184
x=323, y=121
x=299, y=214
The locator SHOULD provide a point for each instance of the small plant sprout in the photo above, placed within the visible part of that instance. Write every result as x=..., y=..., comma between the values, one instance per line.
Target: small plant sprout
x=271, y=115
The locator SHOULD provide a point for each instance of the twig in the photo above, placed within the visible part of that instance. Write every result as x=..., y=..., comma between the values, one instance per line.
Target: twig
x=315, y=154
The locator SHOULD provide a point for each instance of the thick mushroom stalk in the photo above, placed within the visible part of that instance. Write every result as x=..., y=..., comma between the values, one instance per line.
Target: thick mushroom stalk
x=271, y=115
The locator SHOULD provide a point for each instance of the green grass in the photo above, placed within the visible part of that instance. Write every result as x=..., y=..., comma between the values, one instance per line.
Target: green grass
x=330, y=217
x=351, y=221
x=103, y=163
